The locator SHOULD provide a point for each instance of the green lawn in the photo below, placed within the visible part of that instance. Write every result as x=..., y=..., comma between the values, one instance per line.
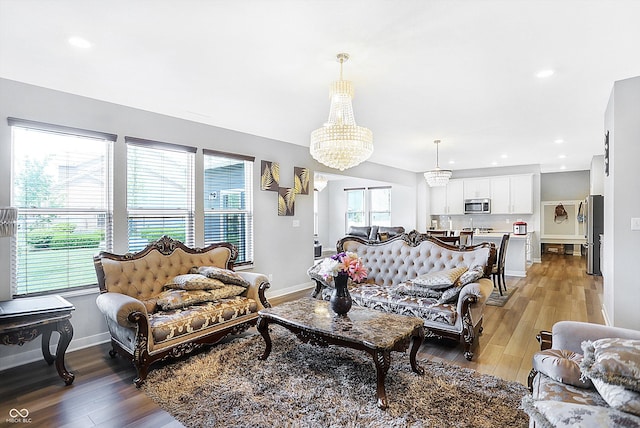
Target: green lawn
x=47, y=269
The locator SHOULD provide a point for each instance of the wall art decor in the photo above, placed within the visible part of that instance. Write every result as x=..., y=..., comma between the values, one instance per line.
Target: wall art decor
x=269, y=176
x=301, y=180
x=286, y=201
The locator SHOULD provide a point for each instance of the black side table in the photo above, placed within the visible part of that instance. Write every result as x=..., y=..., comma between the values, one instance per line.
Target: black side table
x=24, y=319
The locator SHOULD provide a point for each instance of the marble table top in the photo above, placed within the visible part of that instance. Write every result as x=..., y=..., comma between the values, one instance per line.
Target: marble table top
x=374, y=328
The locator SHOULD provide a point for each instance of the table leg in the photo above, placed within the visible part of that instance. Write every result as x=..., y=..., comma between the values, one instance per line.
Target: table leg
x=416, y=341
x=46, y=340
x=383, y=361
x=66, y=333
x=263, y=328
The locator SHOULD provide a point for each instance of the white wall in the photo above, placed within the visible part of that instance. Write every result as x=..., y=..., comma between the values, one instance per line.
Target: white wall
x=621, y=203
x=559, y=186
x=596, y=175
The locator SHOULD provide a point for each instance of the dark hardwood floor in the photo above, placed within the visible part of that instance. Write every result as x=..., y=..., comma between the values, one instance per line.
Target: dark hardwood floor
x=103, y=394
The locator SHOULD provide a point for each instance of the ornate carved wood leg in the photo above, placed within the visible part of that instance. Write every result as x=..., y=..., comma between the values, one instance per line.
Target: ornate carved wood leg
x=532, y=374
x=263, y=328
x=416, y=340
x=383, y=361
x=66, y=333
x=46, y=340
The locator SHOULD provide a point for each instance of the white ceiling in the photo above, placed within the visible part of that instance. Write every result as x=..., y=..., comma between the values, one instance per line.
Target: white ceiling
x=459, y=71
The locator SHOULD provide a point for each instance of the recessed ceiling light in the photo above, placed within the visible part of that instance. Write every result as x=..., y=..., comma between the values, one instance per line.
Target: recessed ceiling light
x=544, y=73
x=79, y=42
x=503, y=156
x=562, y=156
x=451, y=162
x=563, y=167
x=559, y=141
x=494, y=163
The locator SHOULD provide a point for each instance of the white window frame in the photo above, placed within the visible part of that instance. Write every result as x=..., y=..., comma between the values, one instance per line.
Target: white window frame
x=31, y=272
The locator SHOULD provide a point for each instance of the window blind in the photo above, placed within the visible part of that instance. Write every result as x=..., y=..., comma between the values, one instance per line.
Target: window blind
x=62, y=189
x=228, y=202
x=160, y=192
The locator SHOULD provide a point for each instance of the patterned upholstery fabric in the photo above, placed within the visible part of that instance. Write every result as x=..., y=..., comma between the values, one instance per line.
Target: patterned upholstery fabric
x=385, y=299
x=167, y=325
x=176, y=299
x=614, y=360
x=545, y=388
x=571, y=415
x=440, y=279
x=194, y=281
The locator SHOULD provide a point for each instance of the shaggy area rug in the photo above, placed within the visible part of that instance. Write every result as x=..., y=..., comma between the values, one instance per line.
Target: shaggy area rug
x=495, y=299
x=301, y=385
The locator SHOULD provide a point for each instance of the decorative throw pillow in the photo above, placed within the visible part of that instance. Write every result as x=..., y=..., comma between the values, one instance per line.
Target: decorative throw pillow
x=150, y=304
x=618, y=396
x=560, y=365
x=441, y=279
x=194, y=281
x=410, y=289
x=176, y=298
x=473, y=274
x=225, y=275
x=450, y=295
x=613, y=360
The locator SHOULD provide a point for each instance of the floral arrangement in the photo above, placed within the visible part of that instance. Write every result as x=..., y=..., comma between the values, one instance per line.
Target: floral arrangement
x=345, y=263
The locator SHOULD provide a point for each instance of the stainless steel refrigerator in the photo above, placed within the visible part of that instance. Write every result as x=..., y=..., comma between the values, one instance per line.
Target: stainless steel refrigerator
x=594, y=227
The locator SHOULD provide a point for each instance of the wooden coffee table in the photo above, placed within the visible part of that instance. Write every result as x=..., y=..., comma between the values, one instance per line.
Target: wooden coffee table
x=375, y=332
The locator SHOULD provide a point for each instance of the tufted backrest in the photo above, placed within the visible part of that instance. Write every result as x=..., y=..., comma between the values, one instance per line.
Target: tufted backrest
x=143, y=275
x=401, y=259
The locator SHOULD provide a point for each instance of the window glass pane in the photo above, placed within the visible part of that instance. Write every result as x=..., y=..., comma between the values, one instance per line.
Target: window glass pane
x=380, y=199
x=228, y=197
x=381, y=218
x=160, y=193
x=62, y=188
x=355, y=200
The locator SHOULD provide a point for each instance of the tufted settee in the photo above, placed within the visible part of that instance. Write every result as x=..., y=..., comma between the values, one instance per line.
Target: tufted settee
x=559, y=397
x=141, y=330
x=393, y=263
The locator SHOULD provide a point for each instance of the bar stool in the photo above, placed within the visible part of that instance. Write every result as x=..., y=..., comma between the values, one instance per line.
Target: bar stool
x=498, y=268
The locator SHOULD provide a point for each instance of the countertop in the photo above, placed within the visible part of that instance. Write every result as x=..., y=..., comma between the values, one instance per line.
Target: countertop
x=498, y=235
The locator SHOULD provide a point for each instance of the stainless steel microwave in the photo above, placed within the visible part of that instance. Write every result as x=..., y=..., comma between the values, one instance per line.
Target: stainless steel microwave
x=477, y=206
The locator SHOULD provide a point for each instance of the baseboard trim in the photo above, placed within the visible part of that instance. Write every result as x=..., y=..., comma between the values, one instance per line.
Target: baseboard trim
x=33, y=355
x=290, y=290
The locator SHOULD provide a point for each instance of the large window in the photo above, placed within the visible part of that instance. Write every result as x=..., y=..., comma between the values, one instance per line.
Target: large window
x=160, y=192
x=356, y=215
x=380, y=206
x=62, y=189
x=368, y=207
x=228, y=202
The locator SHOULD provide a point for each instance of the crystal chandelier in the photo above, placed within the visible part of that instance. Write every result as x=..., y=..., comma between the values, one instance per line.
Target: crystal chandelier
x=340, y=143
x=320, y=182
x=437, y=177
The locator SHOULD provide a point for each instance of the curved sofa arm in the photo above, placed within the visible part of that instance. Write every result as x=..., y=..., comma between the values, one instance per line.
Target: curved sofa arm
x=476, y=292
x=259, y=284
x=121, y=308
x=569, y=335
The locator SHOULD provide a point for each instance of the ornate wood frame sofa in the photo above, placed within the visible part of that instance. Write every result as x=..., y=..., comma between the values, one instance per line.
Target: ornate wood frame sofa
x=394, y=263
x=144, y=333
x=559, y=397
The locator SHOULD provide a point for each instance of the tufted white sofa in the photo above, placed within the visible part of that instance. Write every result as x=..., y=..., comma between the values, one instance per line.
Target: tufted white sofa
x=404, y=258
x=130, y=282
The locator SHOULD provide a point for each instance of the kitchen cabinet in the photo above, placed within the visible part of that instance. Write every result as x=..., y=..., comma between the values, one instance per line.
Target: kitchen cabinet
x=477, y=188
x=448, y=199
x=512, y=194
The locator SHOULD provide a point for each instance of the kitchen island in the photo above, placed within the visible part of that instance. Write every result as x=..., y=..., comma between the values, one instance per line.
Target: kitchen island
x=517, y=250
